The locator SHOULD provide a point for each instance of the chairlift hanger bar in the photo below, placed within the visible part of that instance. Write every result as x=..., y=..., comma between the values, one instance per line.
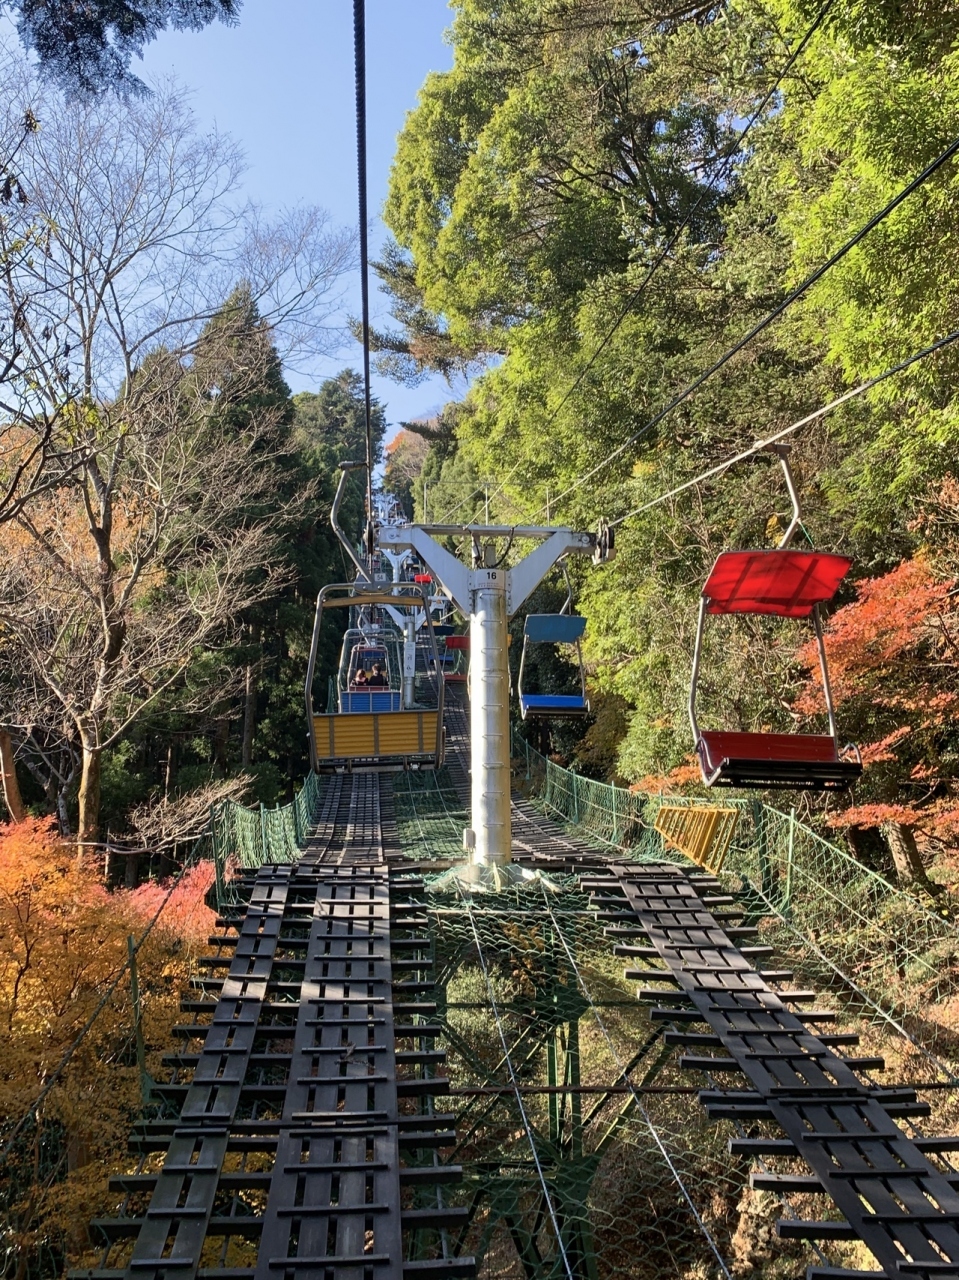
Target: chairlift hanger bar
x=503, y=531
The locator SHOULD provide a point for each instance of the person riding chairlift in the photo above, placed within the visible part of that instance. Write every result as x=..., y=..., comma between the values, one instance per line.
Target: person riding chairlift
x=378, y=680
x=360, y=680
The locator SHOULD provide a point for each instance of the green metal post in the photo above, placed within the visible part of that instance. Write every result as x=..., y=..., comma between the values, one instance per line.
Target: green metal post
x=767, y=881
x=552, y=1079
x=575, y=1099
x=146, y=1080
x=218, y=869
x=790, y=856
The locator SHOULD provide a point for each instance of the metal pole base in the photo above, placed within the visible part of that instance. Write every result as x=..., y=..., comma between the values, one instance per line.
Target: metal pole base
x=492, y=877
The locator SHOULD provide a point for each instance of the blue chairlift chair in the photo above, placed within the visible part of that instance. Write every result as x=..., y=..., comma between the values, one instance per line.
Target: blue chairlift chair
x=553, y=628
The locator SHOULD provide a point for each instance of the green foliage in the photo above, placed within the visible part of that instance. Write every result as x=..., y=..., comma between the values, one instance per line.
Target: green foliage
x=405, y=455
x=536, y=194
x=327, y=427
x=88, y=48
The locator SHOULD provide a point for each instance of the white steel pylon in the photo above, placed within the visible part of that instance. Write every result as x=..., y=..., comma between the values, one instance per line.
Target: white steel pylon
x=489, y=595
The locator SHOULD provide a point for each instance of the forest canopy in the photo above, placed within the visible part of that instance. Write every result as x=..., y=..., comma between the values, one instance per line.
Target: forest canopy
x=163, y=495
x=596, y=203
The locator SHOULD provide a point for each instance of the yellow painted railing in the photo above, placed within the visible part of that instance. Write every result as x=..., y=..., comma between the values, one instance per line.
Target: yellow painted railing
x=702, y=834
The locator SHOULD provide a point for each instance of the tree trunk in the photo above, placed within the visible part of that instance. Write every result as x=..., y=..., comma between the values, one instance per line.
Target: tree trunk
x=249, y=709
x=131, y=871
x=63, y=809
x=88, y=826
x=221, y=739
x=869, y=847
x=169, y=776
x=8, y=775
x=905, y=855
x=250, y=693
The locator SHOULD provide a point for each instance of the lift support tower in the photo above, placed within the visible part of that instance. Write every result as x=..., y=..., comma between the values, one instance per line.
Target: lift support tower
x=489, y=595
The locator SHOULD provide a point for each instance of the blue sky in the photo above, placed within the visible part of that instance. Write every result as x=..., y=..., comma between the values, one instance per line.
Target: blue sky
x=281, y=83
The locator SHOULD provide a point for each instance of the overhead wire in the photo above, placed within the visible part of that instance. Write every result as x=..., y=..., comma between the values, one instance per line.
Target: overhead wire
x=767, y=320
x=359, y=60
x=635, y=1090
x=721, y=467
x=720, y=175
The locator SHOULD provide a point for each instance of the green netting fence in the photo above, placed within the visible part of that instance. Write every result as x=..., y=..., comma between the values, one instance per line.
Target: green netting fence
x=896, y=950
x=245, y=838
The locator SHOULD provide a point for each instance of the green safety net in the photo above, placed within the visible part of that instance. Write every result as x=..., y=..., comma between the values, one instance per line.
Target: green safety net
x=245, y=838
x=584, y=1150
x=894, y=950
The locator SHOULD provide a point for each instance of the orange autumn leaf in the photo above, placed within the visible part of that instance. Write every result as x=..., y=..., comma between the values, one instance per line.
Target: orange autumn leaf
x=892, y=618
x=683, y=775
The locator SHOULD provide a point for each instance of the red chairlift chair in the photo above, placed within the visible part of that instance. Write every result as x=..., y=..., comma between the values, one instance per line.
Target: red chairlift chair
x=787, y=584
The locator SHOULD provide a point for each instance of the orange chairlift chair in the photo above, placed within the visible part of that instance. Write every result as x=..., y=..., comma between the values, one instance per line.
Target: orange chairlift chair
x=787, y=584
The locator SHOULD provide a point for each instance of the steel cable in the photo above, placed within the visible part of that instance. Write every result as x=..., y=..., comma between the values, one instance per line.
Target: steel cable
x=637, y=1099
x=721, y=174
x=721, y=467
x=516, y=1088
x=768, y=319
x=359, y=57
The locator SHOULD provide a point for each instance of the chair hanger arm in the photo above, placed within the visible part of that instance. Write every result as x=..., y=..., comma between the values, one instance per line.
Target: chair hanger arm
x=694, y=679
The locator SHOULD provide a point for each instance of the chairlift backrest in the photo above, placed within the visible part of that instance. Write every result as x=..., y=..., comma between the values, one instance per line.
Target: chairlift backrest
x=785, y=584
x=553, y=628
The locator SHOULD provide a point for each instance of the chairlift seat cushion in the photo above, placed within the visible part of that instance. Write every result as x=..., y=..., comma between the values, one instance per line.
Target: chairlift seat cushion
x=552, y=704
x=787, y=584
x=554, y=628
x=802, y=761
x=457, y=642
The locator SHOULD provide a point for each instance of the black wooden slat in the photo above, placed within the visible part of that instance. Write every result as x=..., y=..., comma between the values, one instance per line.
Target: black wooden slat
x=840, y=1124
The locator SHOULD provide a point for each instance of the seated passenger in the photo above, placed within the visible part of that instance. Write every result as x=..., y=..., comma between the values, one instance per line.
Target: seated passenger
x=360, y=680
x=378, y=680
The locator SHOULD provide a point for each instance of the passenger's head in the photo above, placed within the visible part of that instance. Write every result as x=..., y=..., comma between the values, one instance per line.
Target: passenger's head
x=377, y=669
